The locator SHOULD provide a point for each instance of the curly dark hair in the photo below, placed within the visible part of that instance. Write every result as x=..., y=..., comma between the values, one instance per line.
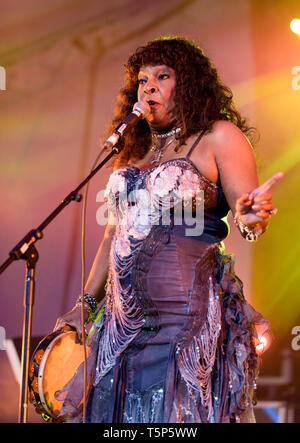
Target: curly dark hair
x=200, y=96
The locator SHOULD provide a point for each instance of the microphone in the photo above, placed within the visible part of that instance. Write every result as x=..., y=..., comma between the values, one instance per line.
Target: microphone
x=140, y=110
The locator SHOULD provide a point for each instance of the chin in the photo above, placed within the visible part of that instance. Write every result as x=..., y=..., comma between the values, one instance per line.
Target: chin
x=159, y=125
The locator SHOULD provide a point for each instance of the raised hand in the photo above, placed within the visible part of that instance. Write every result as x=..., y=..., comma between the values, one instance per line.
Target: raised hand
x=256, y=207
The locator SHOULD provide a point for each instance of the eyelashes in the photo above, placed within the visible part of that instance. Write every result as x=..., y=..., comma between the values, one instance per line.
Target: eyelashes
x=142, y=81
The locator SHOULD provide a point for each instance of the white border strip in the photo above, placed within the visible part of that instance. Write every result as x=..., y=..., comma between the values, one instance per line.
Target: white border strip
x=14, y=359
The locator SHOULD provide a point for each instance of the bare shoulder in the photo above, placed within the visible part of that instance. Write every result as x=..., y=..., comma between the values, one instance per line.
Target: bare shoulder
x=227, y=139
x=231, y=148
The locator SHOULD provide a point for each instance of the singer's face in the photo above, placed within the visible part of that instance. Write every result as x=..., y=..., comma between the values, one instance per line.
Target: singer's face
x=157, y=88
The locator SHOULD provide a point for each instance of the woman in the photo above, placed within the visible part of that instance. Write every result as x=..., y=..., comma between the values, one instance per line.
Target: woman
x=175, y=342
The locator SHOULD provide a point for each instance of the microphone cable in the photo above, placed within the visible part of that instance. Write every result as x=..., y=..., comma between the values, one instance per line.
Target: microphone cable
x=83, y=270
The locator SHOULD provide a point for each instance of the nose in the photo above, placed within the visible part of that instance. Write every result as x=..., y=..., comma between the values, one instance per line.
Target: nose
x=150, y=89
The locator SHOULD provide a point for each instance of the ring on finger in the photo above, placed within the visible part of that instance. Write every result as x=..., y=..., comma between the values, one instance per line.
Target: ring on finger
x=273, y=211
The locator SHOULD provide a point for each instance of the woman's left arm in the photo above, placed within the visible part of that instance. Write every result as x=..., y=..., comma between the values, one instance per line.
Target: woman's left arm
x=250, y=203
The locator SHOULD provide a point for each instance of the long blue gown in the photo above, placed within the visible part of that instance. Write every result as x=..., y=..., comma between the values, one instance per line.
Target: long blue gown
x=175, y=343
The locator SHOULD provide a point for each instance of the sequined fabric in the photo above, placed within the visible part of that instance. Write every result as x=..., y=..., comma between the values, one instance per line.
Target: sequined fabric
x=175, y=341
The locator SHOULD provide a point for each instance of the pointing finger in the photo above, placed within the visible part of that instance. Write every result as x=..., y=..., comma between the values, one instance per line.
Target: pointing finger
x=267, y=184
x=271, y=182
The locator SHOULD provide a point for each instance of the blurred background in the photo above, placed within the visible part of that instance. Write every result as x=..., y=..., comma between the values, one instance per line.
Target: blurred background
x=63, y=63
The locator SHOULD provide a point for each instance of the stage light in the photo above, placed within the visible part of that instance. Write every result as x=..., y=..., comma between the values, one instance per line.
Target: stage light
x=295, y=26
x=262, y=345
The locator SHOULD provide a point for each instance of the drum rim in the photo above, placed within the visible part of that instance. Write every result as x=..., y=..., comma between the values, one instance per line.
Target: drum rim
x=42, y=345
x=42, y=367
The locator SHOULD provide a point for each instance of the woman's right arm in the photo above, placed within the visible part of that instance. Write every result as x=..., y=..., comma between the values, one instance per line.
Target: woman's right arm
x=99, y=270
x=95, y=281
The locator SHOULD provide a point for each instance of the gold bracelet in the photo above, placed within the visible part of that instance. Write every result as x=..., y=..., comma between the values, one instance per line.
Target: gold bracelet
x=249, y=234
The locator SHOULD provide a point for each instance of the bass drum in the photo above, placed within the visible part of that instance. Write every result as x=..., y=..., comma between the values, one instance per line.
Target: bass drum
x=53, y=364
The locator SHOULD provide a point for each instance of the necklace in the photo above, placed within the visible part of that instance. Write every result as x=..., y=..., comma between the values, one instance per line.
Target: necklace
x=174, y=131
x=156, y=143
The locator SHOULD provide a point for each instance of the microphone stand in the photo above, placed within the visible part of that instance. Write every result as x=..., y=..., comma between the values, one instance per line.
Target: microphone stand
x=27, y=251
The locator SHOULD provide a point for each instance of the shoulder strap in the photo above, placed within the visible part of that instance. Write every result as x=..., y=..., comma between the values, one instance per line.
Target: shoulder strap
x=195, y=143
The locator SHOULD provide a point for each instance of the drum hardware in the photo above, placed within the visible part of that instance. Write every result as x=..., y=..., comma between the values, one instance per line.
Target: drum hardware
x=53, y=363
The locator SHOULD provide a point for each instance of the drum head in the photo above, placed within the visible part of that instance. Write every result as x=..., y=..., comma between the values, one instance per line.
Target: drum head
x=57, y=364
